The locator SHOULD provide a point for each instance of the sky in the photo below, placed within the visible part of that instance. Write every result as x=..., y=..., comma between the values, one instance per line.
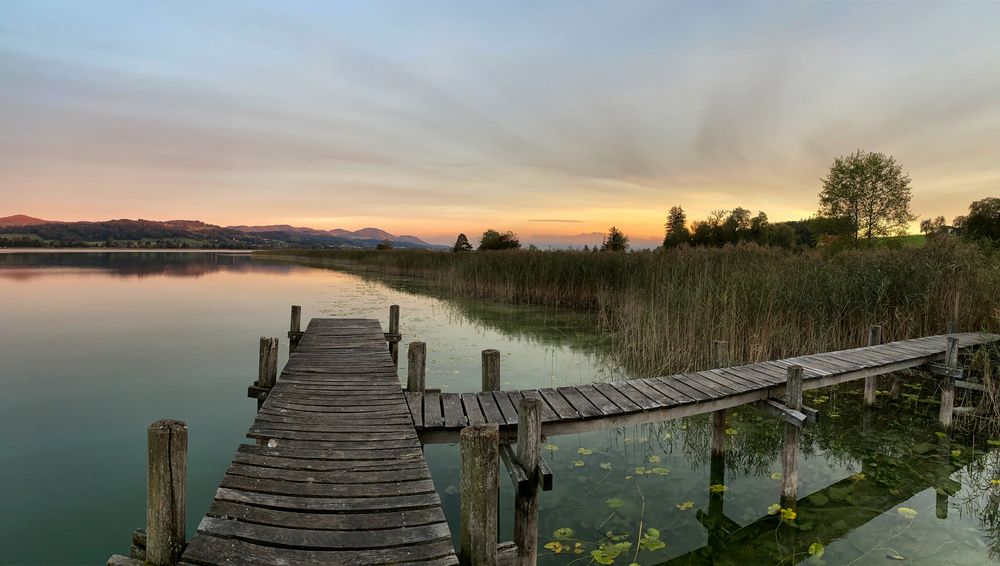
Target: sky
x=552, y=119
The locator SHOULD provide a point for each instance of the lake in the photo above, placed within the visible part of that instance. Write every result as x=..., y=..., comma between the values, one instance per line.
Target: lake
x=96, y=345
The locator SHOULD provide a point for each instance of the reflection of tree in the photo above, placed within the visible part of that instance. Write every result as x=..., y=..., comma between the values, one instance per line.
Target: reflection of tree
x=981, y=498
x=29, y=266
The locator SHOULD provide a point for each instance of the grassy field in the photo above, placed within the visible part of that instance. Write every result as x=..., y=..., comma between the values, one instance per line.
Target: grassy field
x=665, y=308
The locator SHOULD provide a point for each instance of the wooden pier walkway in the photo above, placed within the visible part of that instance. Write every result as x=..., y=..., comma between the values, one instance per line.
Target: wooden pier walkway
x=439, y=416
x=340, y=477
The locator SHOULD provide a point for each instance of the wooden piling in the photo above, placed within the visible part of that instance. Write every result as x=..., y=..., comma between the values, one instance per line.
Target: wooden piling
x=491, y=370
x=479, y=448
x=529, y=434
x=166, y=496
x=394, y=333
x=295, y=329
x=267, y=365
x=948, y=384
x=871, y=382
x=790, y=452
x=416, y=367
x=720, y=355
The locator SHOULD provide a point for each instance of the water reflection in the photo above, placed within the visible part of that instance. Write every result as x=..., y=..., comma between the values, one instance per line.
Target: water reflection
x=25, y=267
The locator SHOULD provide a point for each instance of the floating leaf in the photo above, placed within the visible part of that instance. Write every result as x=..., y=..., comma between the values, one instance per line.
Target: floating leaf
x=551, y=447
x=660, y=471
x=654, y=459
x=651, y=540
x=995, y=481
x=640, y=470
x=717, y=488
x=555, y=546
x=628, y=477
x=907, y=513
x=773, y=508
x=776, y=476
x=607, y=552
x=817, y=549
x=563, y=533
x=668, y=436
x=788, y=514
x=894, y=556
x=615, y=502
x=956, y=453
x=584, y=451
x=686, y=505
x=605, y=465
x=577, y=463
x=993, y=442
x=730, y=431
x=940, y=434
x=858, y=477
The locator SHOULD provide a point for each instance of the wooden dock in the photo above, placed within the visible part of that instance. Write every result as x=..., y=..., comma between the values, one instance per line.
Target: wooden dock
x=439, y=416
x=340, y=477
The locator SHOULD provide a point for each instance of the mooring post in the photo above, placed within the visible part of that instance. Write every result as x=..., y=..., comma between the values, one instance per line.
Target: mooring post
x=166, y=496
x=720, y=351
x=394, y=334
x=871, y=382
x=948, y=385
x=529, y=434
x=267, y=366
x=790, y=453
x=295, y=329
x=416, y=367
x=491, y=370
x=479, y=448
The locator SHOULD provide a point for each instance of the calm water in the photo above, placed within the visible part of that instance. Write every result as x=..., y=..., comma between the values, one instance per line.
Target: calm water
x=95, y=346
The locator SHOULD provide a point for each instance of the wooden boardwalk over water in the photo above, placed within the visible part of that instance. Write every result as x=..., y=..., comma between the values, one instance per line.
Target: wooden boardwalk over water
x=341, y=477
x=439, y=416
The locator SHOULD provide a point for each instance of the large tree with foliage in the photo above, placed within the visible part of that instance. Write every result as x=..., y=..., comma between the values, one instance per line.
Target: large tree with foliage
x=677, y=232
x=983, y=220
x=462, y=244
x=870, y=189
x=615, y=241
x=493, y=240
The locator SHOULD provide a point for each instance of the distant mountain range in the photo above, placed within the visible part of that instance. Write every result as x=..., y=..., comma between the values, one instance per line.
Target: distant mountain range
x=21, y=230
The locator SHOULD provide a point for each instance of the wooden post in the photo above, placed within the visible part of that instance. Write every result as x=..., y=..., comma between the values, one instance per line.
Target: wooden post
x=479, y=448
x=790, y=460
x=491, y=370
x=416, y=367
x=394, y=333
x=166, y=496
x=871, y=382
x=948, y=385
x=267, y=365
x=295, y=329
x=720, y=351
x=529, y=434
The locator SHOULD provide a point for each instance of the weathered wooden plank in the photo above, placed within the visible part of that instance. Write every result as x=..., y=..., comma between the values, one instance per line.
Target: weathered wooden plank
x=329, y=504
x=579, y=402
x=454, y=415
x=603, y=404
x=208, y=549
x=433, y=415
x=415, y=401
x=470, y=404
x=559, y=405
x=548, y=414
x=506, y=406
x=381, y=522
x=490, y=408
x=636, y=395
x=621, y=401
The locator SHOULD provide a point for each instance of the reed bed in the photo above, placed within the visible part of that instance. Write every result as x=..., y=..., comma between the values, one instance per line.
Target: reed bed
x=664, y=308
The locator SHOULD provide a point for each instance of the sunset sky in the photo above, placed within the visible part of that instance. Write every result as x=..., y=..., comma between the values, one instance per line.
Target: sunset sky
x=432, y=117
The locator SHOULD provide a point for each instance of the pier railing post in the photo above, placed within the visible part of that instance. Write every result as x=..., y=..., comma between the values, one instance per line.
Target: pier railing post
x=295, y=329
x=394, y=334
x=790, y=451
x=491, y=370
x=166, y=496
x=529, y=434
x=948, y=384
x=267, y=366
x=416, y=367
x=479, y=448
x=871, y=382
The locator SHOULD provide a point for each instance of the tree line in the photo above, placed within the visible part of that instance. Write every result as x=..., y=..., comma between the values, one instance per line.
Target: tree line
x=865, y=196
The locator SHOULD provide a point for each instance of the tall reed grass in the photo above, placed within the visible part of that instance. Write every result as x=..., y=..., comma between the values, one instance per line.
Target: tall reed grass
x=664, y=308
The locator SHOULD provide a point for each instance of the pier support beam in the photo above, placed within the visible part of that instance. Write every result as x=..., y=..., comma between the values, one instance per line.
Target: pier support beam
x=871, y=382
x=491, y=370
x=166, y=497
x=416, y=367
x=267, y=368
x=720, y=358
x=295, y=329
x=529, y=434
x=479, y=447
x=790, y=452
x=948, y=384
x=394, y=336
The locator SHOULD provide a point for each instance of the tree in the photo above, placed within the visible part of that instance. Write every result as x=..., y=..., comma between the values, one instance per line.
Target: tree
x=870, y=189
x=493, y=240
x=615, y=241
x=737, y=225
x=462, y=244
x=983, y=220
x=384, y=245
x=677, y=230
x=934, y=227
